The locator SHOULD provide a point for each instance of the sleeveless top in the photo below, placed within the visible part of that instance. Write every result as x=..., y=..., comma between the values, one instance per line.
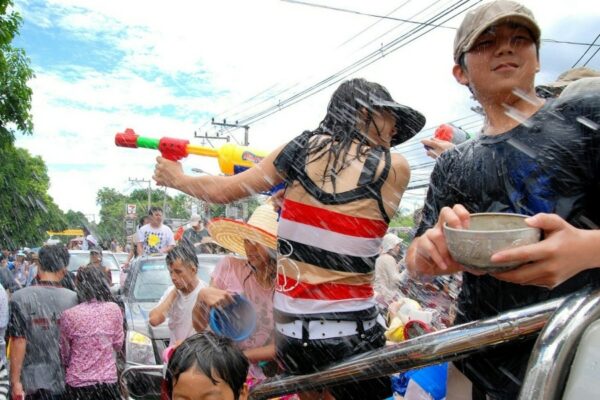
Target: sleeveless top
x=328, y=242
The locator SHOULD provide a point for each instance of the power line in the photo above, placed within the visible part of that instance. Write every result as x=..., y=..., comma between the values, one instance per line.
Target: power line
x=593, y=55
x=408, y=21
x=569, y=42
x=373, y=24
x=354, y=67
x=281, y=106
x=296, y=84
x=585, y=52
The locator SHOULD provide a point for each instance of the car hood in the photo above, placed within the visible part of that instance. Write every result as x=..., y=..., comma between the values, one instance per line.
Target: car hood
x=137, y=320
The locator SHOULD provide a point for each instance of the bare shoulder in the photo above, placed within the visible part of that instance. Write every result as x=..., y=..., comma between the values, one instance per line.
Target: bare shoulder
x=400, y=168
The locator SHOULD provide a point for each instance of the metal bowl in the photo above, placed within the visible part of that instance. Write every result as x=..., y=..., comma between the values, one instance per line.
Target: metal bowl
x=489, y=233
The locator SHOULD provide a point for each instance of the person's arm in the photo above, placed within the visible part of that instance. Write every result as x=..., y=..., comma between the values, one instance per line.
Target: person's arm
x=118, y=333
x=158, y=314
x=264, y=353
x=140, y=248
x=396, y=183
x=428, y=254
x=219, y=189
x=65, y=347
x=18, y=346
x=4, y=310
x=435, y=147
x=208, y=297
x=564, y=252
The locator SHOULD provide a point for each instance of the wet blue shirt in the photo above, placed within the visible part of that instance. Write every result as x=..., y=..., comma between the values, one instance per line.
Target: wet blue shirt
x=550, y=164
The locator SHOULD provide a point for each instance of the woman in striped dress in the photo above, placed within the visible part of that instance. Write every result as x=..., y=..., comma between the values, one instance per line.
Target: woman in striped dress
x=343, y=186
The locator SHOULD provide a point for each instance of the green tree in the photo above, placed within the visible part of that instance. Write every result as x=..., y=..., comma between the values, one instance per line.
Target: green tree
x=112, y=214
x=76, y=219
x=15, y=72
x=28, y=209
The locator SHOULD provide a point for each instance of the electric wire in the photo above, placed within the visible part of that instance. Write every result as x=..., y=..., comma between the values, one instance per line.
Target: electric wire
x=585, y=52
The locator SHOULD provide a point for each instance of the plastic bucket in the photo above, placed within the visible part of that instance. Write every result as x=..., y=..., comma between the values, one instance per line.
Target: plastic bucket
x=237, y=321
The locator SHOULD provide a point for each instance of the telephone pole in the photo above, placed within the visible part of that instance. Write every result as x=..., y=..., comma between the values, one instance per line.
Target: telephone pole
x=148, y=181
x=235, y=125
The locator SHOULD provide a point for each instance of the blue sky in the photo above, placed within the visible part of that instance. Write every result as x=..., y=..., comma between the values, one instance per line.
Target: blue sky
x=165, y=69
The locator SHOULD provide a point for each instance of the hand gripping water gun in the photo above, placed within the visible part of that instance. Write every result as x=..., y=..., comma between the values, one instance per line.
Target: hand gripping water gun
x=232, y=158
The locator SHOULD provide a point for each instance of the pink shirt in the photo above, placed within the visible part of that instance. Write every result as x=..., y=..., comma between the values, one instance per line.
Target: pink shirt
x=90, y=333
x=230, y=274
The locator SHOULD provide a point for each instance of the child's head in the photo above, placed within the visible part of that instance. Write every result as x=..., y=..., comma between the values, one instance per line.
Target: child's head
x=183, y=266
x=206, y=363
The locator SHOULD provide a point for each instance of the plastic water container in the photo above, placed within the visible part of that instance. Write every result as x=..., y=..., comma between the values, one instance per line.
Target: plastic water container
x=236, y=321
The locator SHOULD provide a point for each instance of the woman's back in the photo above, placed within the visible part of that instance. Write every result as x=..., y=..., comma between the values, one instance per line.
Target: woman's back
x=329, y=238
x=91, y=332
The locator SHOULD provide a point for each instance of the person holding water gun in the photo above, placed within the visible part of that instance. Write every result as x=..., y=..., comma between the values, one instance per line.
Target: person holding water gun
x=343, y=187
x=446, y=136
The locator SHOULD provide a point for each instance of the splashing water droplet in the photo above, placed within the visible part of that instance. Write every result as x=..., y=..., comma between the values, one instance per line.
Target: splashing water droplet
x=518, y=116
x=588, y=122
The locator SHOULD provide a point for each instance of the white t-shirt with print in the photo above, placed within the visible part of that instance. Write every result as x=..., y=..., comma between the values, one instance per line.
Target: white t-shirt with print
x=155, y=239
x=179, y=316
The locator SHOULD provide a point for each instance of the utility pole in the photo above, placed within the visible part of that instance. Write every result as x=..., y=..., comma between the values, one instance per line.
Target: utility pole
x=148, y=181
x=236, y=125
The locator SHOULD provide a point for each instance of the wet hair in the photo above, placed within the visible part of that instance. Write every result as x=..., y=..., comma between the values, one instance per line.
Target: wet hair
x=272, y=261
x=53, y=258
x=214, y=356
x=153, y=209
x=91, y=285
x=339, y=125
x=185, y=252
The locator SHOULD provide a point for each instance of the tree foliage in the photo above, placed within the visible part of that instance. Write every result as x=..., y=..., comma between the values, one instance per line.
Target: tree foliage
x=28, y=209
x=76, y=219
x=15, y=72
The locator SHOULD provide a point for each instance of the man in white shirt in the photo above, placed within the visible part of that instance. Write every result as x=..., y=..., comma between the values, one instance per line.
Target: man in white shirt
x=178, y=302
x=155, y=237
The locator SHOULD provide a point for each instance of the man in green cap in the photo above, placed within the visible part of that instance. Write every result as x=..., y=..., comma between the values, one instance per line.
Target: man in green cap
x=534, y=157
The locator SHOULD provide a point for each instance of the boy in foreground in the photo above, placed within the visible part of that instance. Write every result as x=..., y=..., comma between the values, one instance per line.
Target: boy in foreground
x=534, y=157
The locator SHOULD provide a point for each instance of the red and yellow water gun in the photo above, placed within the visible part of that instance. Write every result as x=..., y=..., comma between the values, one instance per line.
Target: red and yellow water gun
x=232, y=158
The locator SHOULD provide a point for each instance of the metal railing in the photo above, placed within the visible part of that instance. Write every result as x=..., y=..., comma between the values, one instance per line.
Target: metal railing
x=434, y=348
x=556, y=346
x=563, y=321
x=156, y=370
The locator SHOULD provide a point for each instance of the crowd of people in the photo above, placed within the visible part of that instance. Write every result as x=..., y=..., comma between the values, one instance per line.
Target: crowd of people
x=318, y=264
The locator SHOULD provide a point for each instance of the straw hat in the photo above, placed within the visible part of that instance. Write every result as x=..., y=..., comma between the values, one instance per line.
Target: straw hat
x=260, y=228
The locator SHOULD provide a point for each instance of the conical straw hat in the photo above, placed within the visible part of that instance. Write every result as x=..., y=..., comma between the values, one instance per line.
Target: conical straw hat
x=260, y=228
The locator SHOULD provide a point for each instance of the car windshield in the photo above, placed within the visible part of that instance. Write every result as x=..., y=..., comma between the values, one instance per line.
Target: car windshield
x=153, y=278
x=76, y=260
x=121, y=257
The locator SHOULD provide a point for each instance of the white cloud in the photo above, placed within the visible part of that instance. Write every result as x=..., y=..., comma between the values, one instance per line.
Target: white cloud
x=232, y=50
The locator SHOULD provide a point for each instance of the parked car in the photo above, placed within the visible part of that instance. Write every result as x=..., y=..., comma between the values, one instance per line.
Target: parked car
x=121, y=257
x=147, y=280
x=82, y=257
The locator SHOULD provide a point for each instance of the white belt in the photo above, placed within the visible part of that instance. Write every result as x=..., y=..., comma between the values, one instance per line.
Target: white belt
x=325, y=329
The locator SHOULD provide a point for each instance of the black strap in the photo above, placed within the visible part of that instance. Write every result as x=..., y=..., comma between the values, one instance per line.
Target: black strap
x=362, y=315
x=370, y=190
x=370, y=167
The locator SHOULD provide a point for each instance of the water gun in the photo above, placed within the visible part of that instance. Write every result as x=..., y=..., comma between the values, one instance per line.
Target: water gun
x=232, y=158
x=451, y=133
